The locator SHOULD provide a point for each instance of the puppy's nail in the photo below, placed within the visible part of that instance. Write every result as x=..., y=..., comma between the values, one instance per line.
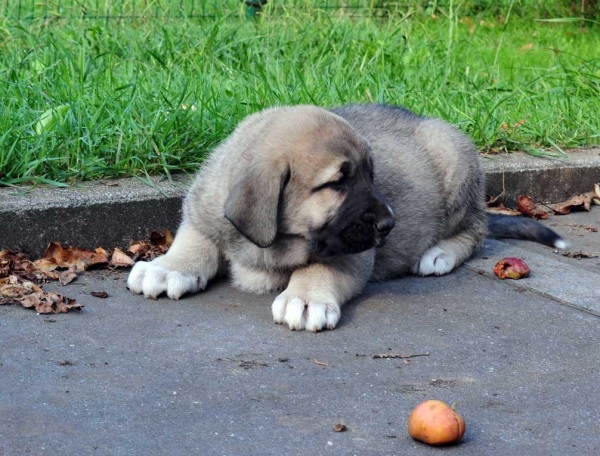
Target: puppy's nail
x=292, y=328
x=330, y=327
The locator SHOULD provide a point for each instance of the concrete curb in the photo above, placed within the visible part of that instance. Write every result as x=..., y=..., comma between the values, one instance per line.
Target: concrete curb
x=95, y=214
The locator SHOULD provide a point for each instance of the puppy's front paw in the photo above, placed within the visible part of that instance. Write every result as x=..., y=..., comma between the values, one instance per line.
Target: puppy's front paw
x=305, y=313
x=435, y=261
x=152, y=280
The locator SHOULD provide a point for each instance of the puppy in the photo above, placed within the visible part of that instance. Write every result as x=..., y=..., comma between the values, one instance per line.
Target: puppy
x=305, y=200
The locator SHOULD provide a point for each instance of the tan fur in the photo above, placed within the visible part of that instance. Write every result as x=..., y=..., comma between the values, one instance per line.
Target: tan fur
x=257, y=207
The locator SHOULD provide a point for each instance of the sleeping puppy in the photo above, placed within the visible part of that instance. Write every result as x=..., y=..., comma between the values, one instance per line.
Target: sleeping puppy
x=316, y=203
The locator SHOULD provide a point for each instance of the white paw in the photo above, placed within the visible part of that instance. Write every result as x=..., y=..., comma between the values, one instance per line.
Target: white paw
x=305, y=313
x=152, y=280
x=435, y=261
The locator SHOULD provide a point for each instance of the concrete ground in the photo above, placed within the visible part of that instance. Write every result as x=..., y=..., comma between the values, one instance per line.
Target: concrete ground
x=212, y=375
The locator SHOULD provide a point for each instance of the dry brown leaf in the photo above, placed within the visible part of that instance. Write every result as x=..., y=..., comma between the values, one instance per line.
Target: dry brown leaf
x=18, y=264
x=45, y=303
x=579, y=254
x=502, y=210
x=161, y=238
x=46, y=265
x=493, y=201
x=13, y=289
x=74, y=257
x=67, y=276
x=140, y=250
x=120, y=259
x=339, y=428
x=99, y=294
x=158, y=244
x=527, y=207
x=583, y=201
x=100, y=256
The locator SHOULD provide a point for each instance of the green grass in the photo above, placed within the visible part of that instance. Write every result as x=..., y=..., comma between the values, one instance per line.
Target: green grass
x=507, y=80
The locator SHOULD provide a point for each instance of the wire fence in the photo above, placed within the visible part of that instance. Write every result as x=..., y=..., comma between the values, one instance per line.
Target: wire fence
x=33, y=10
x=134, y=9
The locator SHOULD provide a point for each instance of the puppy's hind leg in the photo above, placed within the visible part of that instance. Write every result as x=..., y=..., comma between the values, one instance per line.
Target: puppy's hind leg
x=189, y=264
x=447, y=254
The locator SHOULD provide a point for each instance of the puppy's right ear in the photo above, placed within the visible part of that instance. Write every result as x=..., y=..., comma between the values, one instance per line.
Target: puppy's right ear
x=253, y=203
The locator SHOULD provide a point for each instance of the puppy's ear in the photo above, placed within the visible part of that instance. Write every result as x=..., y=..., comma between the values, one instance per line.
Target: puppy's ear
x=252, y=205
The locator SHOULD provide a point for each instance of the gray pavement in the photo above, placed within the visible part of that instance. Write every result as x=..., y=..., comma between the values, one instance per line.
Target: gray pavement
x=212, y=375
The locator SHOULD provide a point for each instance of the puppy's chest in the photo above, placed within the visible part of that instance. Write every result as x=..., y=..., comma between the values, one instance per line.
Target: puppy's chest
x=282, y=255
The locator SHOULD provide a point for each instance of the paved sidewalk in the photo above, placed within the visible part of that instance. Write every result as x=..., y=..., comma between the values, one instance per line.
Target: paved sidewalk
x=212, y=375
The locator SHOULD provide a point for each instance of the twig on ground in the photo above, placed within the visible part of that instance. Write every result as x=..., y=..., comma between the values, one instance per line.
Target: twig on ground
x=398, y=355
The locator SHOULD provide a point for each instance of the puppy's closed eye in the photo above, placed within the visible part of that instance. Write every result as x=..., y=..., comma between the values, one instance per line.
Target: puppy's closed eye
x=338, y=184
x=339, y=181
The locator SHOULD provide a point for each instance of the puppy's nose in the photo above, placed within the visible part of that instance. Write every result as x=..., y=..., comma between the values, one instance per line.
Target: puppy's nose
x=385, y=225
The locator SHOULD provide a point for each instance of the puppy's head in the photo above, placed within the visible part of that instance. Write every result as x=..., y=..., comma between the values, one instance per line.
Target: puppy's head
x=307, y=173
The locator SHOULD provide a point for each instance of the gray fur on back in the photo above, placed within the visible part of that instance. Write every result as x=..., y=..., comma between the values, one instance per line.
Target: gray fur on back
x=429, y=172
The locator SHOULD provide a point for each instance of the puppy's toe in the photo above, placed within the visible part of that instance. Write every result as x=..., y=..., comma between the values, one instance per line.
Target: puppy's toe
x=444, y=264
x=136, y=277
x=155, y=281
x=333, y=315
x=317, y=316
x=278, y=308
x=179, y=283
x=303, y=313
x=295, y=314
x=436, y=261
x=152, y=280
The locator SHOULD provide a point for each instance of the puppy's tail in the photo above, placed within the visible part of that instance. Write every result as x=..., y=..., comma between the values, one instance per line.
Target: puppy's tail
x=508, y=227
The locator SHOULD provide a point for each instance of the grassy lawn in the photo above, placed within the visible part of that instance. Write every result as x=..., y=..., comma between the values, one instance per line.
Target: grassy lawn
x=153, y=96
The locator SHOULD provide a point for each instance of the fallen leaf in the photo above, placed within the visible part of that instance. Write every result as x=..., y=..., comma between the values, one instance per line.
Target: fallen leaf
x=120, y=259
x=526, y=206
x=502, y=210
x=493, y=201
x=339, y=428
x=67, y=276
x=99, y=294
x=158, y=244
x=162, y=241
x=20, y=265
x=511, y=268
x=74, y=257
x=14, y=289
x=582, y=201
x=45, y=303
x=47, y=266
x=579, y=254
x=321, y=363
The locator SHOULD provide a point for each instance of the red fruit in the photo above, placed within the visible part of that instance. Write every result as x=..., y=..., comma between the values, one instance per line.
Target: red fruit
x=511, y=268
